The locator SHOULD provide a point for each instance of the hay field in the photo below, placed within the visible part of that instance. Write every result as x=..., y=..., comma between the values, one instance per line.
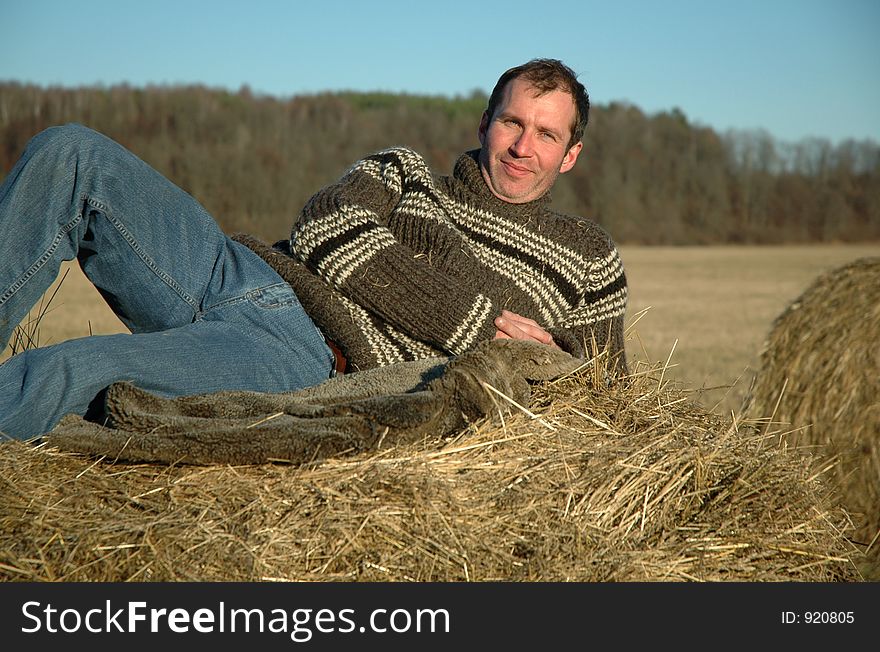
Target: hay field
x=710, y=307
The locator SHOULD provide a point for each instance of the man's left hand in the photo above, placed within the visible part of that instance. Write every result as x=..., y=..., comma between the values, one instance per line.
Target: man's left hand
x=516, y=327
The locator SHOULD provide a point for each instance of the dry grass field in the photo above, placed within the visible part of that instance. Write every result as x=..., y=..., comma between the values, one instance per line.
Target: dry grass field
x=708, y=309
x=711, y=308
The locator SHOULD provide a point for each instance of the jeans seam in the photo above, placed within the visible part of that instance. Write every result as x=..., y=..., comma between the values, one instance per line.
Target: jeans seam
x=222, y=304
x=41, y=261
x=253, y=295
x=249, y=297
x=149, y=262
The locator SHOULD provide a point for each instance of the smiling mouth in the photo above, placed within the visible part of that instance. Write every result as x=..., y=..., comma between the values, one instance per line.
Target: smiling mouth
x=515, y=170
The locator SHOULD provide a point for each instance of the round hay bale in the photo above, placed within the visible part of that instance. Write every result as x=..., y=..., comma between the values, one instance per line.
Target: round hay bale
x=632, y=482
x=819, y=379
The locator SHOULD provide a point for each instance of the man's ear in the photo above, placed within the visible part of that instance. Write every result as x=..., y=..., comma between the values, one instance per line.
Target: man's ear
x=484, y=126
x=571, y=157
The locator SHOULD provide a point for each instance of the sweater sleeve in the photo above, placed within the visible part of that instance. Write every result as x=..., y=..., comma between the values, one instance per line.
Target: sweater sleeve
x=343, y=236
x=596, y=323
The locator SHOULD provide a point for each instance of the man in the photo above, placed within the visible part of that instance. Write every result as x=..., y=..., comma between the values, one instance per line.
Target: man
x=390, y=263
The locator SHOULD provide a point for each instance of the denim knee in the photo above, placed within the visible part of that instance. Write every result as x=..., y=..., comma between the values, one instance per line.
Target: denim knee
x=64, y=139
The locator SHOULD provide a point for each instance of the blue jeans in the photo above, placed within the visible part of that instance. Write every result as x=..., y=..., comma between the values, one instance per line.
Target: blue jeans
x=205, y=313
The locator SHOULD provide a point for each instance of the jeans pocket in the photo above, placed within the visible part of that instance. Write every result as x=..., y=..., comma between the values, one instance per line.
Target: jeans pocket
x=273, y=297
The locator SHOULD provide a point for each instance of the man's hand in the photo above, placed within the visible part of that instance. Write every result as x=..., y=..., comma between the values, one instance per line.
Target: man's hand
x=516, y=327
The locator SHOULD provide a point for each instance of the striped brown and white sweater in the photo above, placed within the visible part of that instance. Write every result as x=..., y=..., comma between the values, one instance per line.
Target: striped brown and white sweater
x=394, y=263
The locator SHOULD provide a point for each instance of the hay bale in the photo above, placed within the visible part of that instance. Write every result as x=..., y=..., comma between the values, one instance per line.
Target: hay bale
x=632, y=482
x=819, y=378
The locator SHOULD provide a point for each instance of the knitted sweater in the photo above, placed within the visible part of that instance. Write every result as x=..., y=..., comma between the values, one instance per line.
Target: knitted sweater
x=394, y=263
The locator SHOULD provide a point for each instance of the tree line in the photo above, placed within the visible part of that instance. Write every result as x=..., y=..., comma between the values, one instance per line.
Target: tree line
x=253, y=161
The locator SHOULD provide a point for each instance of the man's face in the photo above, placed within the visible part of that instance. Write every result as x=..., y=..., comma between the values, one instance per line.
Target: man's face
x=525, y=144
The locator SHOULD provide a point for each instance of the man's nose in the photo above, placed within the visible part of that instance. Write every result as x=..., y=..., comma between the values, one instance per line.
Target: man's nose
x=524, y=144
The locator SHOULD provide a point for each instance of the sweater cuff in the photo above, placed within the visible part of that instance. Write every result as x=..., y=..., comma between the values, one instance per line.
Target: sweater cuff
x=567, y=341
x=477, y=325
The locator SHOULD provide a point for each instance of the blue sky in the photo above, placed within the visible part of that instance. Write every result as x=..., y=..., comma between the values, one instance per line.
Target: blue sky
x=796, y=68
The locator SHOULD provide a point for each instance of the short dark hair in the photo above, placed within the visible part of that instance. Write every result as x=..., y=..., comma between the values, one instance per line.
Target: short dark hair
x=548, y=75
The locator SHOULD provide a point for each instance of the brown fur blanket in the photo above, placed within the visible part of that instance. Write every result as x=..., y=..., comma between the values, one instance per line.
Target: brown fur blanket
x=345, y=415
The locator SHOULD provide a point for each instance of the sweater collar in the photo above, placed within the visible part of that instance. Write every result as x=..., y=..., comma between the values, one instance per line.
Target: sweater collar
x=467, y=170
